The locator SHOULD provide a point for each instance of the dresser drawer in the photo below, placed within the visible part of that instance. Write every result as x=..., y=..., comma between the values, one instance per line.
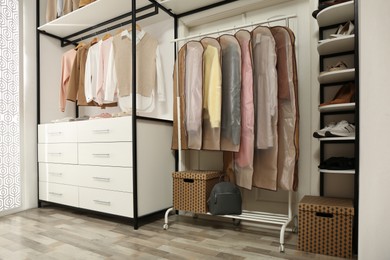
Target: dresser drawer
x=108, y=178
x=58, y=153
x=105, y=130
x=59, y=193
x=112, y=202
x=57, y=133
x=59, y=173
x=108, y=154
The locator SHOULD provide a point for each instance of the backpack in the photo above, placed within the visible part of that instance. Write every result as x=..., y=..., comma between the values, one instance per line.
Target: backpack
x=225, y=199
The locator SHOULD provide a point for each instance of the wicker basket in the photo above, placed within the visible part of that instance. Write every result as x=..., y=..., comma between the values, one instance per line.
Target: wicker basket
x=325, y=226
x=191, y=189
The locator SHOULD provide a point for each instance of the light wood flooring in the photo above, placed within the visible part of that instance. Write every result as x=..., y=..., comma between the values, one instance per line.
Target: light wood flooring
x=55, y=233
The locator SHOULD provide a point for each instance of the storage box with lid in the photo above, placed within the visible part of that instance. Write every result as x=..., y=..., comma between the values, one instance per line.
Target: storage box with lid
x=191, y=189
x=325, y=226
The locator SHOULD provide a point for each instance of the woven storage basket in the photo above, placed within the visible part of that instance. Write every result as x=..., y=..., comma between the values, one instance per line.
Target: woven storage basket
x=191, y=189
x=325, y=226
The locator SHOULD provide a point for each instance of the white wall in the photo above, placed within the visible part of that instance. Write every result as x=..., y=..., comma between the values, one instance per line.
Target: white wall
x=374, y=209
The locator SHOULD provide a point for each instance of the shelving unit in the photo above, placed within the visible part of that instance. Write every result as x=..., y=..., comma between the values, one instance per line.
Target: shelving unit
x=329, y=19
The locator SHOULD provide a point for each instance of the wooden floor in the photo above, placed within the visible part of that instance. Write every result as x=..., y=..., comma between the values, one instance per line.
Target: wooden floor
x=56, y=233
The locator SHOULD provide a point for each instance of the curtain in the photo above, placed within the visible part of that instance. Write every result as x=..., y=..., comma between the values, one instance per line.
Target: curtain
x=10, y=196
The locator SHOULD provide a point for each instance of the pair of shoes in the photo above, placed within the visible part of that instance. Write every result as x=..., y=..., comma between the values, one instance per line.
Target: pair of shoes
x=338, y=163
x=321, y=133
x=341, y=129
x=338, y=66
x=325, y=4
x=344, y=30
x=346, y=94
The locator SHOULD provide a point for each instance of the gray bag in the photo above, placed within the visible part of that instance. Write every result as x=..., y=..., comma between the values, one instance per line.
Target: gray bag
x=225, y=199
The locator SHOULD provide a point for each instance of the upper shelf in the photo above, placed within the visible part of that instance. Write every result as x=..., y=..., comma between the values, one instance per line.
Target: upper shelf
x=336, y=45
x=336, y=76
x=335, y=14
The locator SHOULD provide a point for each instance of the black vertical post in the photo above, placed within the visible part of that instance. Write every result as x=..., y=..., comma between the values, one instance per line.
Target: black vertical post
x=134, y=109
x=38, y=64
x=357, y=133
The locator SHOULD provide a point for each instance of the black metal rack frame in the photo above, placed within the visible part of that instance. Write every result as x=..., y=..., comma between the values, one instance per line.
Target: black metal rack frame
x=107, y=26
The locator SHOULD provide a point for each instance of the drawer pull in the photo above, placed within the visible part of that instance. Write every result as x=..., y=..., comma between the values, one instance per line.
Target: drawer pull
x=101, y=155
x=55, y=133
x=55, y=154
x=102, y=179
x=101, y=131
x=55, y=193
x=106, y=203
x=56, y=173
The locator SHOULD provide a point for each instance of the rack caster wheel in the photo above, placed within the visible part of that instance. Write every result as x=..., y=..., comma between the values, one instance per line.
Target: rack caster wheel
x=236, y=222
x=165, y=226
x=281, y=248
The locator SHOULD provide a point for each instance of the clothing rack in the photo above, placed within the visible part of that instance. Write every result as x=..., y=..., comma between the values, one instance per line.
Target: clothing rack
x=274, y=19
x=254, y=216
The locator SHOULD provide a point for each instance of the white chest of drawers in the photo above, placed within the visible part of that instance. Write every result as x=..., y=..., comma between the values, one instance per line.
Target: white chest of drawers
x=89, y=164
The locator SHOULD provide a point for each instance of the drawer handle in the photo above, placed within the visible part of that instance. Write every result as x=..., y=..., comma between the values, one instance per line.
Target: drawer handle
x=55, y=154
x=55, y=133
x=55, y=193
x=105, y=155
x=56, y=173
x=106, y=203
x=101, y=131
x=102, y=179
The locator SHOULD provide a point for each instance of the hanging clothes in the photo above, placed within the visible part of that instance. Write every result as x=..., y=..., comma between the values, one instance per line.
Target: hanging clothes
x=92, y=70
x=265, y=86
x=76, y=90
x=231, y=93
x=150, y=86
x=288, y=109
x=212, y=94
x=103, y=70
x=67, y=61
x=194, y=94
x=178, y=90
x=243, y=159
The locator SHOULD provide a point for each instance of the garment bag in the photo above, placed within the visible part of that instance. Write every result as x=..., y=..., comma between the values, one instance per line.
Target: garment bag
x=243, y=159
x=231, y=93
x=194, y=94
x=212, y=94
x=178, y=90
x=266, y=114
x=288, y=108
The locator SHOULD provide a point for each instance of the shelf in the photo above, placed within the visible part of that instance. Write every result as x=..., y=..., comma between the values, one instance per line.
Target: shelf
x=336, y=76
x=348, y=172
x=337, y=107
x=327, y=139
x=336, y=14
x=336, y=45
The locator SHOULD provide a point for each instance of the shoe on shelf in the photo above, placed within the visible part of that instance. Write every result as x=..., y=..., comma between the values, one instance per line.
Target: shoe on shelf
x=344, y=30
x=338, y=66
x=325, y=4
x=338, y=163
x=321, y=133
x=341, y=129
x=346, y=94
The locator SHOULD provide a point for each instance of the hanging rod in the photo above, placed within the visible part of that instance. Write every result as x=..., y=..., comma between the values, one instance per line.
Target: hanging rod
x=280, y=18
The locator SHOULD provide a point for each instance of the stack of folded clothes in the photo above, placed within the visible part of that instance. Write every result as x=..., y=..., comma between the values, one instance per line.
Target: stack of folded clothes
x=338, y=163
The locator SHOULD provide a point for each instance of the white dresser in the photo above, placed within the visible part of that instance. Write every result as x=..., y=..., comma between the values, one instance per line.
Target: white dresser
x=88, y=164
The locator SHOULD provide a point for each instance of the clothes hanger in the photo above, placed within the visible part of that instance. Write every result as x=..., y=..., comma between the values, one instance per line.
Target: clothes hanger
x=81, y=44
x=94, y=40
x=137, y=27
x=106, y=36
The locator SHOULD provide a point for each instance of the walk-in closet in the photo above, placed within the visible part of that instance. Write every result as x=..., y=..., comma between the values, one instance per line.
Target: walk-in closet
x=248, y=129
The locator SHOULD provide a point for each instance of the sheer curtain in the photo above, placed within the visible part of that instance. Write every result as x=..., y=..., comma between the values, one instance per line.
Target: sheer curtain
x=10, y=196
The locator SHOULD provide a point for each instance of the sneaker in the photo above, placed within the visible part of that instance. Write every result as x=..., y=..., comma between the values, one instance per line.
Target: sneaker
x=342, y=129
x=321, y=133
